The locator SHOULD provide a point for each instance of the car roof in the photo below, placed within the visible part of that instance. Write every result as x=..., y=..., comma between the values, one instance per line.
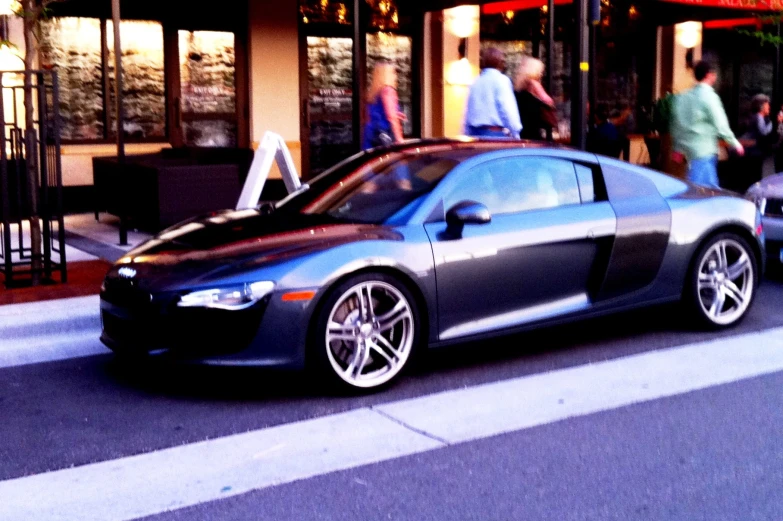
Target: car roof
x=463, y=145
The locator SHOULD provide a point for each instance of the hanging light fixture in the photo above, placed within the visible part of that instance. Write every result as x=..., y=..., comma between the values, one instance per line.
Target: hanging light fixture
x=462, y=21
x=9, y=7
x=11, y=59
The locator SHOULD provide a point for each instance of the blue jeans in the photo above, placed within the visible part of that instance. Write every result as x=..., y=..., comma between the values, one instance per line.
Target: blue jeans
x=704, y=171
x=485, y=132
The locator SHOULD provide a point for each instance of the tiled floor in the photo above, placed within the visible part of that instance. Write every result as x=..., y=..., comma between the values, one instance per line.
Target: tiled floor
x=100, y=238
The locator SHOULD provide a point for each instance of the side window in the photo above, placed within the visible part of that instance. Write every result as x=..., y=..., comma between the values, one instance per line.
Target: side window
x=519, y=184
x=586, y=187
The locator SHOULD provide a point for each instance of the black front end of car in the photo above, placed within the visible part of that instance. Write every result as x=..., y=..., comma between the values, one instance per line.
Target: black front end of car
x=136, y=320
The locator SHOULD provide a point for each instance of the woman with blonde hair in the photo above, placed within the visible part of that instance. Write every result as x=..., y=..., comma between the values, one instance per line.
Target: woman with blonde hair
x=536, y=107
x=384, y=116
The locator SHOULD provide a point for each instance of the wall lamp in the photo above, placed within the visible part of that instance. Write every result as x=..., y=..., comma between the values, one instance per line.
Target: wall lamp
x=462, y=22
x=688, y=35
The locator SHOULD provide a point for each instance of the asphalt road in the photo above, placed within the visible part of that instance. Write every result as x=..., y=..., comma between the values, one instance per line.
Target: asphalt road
x=709, y=454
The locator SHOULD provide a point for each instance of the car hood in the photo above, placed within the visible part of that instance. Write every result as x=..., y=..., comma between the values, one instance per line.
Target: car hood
x=232, y=238
x=769, y=187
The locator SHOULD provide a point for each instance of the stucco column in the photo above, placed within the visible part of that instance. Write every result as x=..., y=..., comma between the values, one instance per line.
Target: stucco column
x=274, y=73
x=677, y=44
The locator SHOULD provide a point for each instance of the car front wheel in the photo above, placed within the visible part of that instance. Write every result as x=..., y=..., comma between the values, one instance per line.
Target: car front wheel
x=368, y=329
x=723, y=281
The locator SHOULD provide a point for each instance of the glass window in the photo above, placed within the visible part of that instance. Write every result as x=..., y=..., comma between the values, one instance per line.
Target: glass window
x=330, y=100
x=208, y=85
x=384, y=193
x=143, y=78
x=72, y=47
x=395, y=49
x=519, y=184
x=584, y=175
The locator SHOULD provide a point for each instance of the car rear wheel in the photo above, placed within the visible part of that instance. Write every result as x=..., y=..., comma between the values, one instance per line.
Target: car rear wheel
x=367, y=332
x=723, y=281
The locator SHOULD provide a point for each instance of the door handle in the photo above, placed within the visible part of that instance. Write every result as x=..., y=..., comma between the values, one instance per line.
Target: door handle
x=600, y=231
x=306, y=112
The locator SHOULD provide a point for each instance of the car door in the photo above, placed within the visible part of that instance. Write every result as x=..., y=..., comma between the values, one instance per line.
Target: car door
x=543, y=252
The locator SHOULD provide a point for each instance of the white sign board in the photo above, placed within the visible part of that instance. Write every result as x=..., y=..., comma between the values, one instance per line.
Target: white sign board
x=272, y=148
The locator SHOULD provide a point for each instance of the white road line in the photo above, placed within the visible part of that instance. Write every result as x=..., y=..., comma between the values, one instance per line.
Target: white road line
x=51, y=348
x=48, y=331
x=165, y=480
x=491, y=409
x=32, y=311
x=168, y=479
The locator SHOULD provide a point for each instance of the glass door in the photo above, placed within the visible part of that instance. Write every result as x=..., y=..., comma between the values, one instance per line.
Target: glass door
x=329, y=103
x=207, y=109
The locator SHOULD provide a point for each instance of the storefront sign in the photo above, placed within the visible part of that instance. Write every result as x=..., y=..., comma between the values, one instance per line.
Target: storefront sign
x=517, y=5
x=337, y=103
x=750, y=5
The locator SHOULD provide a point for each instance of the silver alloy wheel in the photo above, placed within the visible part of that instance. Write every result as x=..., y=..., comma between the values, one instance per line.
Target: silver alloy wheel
x=369, y=334
x=726, y=282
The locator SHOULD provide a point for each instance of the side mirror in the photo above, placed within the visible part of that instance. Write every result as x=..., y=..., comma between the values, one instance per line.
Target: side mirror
x=466, y=212
x=265, y=208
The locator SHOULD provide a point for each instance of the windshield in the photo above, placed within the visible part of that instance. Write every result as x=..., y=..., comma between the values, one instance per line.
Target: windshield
x=385, y=190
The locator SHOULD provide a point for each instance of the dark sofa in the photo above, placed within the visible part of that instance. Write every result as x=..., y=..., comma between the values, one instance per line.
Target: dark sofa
x=164, y=188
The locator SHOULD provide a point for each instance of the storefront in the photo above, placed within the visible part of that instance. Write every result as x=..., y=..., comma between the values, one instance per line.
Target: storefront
x=223, y=78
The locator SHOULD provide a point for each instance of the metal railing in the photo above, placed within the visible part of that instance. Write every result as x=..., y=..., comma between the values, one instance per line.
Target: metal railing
x=31, y=176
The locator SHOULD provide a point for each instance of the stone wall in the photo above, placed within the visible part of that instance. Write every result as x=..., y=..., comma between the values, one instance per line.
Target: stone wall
x=72, y=46
x=208, y=83
x=143, y=78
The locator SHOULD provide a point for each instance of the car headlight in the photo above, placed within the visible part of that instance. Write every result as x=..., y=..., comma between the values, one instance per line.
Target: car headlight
x=231, y=298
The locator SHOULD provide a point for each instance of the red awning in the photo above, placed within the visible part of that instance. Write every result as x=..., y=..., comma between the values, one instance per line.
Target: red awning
x=517, y=5
x=748, y=5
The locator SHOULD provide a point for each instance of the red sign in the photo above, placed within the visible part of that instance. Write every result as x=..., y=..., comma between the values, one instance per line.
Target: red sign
x=517, y=5
x=749, y=5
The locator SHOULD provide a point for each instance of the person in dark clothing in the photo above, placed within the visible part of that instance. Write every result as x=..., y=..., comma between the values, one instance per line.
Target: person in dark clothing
x=761, y=133
x=605, y=139
x=536, y=107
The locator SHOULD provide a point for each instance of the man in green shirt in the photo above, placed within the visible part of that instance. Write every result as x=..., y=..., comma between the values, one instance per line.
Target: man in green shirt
x=698, y=122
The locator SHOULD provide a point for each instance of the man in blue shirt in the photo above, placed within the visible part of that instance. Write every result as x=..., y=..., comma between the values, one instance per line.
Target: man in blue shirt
x=492, y=108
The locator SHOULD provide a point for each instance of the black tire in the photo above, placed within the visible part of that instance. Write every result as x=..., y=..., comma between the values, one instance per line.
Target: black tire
x=321, y=355
x=694, y=299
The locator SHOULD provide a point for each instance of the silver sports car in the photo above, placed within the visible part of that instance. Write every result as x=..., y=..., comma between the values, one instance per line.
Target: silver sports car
x=428, y=243
x=768, y=196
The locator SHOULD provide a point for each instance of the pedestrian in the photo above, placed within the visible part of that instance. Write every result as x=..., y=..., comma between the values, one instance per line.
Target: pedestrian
x=625, y=122
x=605, y=138
x=762, y=133
x=536, y=107
x=384, y=116
x=492, y=108
x=698, y=122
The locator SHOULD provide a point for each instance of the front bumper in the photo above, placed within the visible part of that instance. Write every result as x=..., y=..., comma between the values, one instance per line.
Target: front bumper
x=135, y=321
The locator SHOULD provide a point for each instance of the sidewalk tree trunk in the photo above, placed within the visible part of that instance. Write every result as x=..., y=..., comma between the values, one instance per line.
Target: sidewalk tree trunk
x=32, y=12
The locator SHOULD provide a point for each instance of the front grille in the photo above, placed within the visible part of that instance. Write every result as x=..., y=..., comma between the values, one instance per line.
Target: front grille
x=187, y=332
x=135, y=333
x=773, y=208
x=125, y=294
